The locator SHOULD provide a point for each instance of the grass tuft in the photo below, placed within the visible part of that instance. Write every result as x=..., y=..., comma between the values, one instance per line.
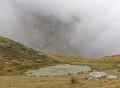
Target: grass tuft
x=74, y=80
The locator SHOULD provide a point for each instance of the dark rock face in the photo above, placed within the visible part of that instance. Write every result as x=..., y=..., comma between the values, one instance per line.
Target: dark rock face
x=45, y=33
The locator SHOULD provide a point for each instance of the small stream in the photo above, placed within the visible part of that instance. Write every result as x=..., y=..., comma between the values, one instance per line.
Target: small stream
x=63, y=69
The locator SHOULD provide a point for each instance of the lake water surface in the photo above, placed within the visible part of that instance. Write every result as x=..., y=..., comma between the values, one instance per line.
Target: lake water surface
x=63, y=69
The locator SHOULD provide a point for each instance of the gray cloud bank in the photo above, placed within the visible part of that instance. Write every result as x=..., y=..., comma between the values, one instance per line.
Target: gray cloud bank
x=96, y=32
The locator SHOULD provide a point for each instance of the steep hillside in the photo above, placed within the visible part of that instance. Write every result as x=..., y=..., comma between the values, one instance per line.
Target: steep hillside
x=10, y=49
x=15, y=57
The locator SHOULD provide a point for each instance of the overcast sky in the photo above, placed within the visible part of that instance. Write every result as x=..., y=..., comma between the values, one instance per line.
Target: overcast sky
x=97, y=33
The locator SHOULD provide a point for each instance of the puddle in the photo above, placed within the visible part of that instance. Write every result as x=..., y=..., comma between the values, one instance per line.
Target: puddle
x=63, y=69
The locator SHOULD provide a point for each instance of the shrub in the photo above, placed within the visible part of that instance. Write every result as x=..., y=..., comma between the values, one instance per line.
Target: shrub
x=74, y=80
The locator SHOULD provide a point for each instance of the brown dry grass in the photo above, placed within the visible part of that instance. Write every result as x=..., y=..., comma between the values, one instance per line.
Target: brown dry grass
x=56, y=82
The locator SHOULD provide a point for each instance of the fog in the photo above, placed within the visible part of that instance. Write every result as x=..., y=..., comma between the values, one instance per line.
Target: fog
x=95, y=30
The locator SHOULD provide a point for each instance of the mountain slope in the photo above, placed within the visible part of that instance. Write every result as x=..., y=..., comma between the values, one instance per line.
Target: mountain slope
x=11, y=49
x=15, y=57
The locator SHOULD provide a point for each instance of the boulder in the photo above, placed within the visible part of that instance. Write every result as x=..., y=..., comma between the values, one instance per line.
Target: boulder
x=112, y=77
x=96, y=75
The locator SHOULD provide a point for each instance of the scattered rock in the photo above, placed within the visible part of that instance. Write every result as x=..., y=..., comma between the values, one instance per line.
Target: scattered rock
x=96, y=75
x=112, y=77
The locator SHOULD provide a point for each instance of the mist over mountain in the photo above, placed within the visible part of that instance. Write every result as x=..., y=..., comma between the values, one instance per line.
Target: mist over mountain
x=70, y=27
